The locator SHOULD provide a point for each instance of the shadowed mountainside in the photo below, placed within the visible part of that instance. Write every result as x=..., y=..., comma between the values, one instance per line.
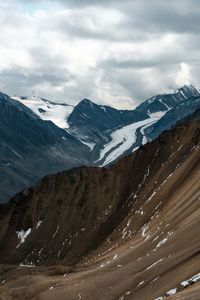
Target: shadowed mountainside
x=30, y=148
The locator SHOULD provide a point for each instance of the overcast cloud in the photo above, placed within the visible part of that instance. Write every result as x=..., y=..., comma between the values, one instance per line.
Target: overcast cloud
x=113, y=52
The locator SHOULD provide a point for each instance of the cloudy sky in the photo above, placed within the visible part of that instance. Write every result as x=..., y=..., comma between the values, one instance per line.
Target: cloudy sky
x=116, y=52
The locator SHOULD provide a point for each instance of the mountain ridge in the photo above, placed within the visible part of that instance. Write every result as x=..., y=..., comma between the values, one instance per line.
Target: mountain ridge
x=97, y=125
x=32, y=145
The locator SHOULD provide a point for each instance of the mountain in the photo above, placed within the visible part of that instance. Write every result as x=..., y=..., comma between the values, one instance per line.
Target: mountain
x=93, y=124
x=40, y=137
x=165, y=102
x=181, y=110
x=111, y=134
x=164, y=112
x=30, y=148
x=130, y=231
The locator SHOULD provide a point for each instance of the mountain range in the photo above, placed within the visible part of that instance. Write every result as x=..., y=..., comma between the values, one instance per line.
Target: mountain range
x=40, y=137
x=127, y=231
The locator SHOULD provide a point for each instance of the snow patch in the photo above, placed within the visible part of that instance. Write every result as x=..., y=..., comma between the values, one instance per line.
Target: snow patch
x=172, y=292
x=90, y=145
x=161, y=242
x=140, y=283
x=194, y=278
x=155, y=263
x=26, y=266
x=38, y=224
x=22, y=235
x=56, y=232
x=47, y=110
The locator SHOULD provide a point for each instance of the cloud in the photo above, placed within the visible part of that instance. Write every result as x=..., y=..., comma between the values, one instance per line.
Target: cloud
x=113, y=52
x=26, y=81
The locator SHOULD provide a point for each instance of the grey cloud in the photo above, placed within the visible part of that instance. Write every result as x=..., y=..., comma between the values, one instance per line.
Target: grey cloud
x=117, y=71
x=158, y=16
x=138, y=85
x=166, y=59
x=143, y=20
x=23, y=81
x=82, y=3
x=121, y=32
x=152, y=16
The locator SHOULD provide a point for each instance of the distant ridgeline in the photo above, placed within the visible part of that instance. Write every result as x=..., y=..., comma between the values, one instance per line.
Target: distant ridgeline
x=40, y=137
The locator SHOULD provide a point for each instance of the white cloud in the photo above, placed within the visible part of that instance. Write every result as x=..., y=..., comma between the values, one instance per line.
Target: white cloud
x=183, y=75
x=116, y=53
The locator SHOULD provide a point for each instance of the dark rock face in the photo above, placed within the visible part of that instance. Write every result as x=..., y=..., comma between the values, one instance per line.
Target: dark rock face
x=102, y=118
x=41, y=110
x=31, y=148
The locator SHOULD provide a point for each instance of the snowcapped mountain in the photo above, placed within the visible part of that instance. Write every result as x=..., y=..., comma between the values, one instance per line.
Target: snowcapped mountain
x=31, y=148
x=40, y=137
x=178, y=112
x=109, y=133
x=47, y=110
x=163, y=112
x=93, y=124
x=165, y=102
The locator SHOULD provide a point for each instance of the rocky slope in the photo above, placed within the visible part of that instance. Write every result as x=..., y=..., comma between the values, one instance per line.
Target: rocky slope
x=30, y=148
x=127, y=232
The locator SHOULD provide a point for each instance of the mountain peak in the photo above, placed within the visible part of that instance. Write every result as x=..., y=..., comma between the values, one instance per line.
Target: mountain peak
x=165, y=102
x=189, y=89
x=87, y=102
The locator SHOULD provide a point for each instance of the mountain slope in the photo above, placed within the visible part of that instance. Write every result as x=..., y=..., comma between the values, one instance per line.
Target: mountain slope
x=165, y=102
x=125, y=231
x=31, y=148
x=181, y=110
